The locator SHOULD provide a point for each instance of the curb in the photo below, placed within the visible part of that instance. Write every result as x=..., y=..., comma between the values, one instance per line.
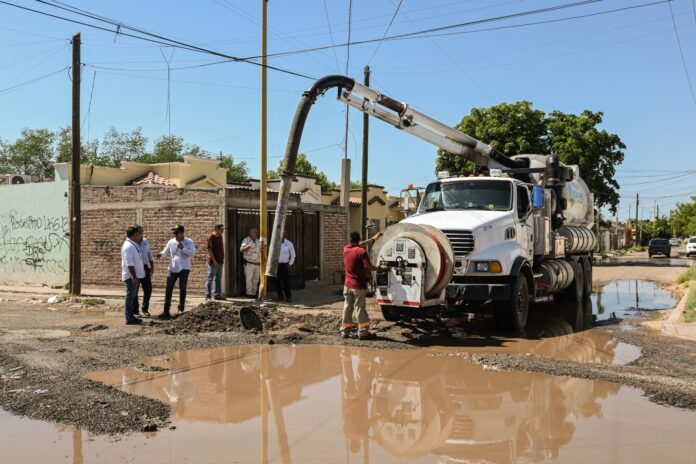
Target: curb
x=672, y=327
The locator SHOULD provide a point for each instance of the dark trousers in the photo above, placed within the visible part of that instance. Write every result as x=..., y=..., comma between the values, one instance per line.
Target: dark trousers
x=283, y=281
x=182, y=277
x=131, y=299
x=146, y=283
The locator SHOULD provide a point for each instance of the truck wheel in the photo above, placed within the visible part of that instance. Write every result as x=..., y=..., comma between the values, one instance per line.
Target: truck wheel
x=390, y=313
x=588, y=278
x=512, y=314
x=576, y=290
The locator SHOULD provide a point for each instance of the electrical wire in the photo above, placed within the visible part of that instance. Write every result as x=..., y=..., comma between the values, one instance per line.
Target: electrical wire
x=149, y=36
x=333, y=43
x=681, y=53
x=391, y=21
x=424, y=33
x=7, y=89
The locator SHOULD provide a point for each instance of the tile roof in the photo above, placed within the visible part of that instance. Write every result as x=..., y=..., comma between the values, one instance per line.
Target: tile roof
x=151, y=179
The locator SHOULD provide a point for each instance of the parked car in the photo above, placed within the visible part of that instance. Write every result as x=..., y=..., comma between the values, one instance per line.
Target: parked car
x=659, y=246
x=674, y=242
x=691, y=246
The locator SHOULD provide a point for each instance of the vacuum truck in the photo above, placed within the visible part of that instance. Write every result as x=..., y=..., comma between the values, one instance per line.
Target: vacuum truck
x=516, y=233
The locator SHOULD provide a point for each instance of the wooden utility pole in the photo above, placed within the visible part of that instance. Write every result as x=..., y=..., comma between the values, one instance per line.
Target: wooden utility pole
x=263, y=220
x=637, y=224
x=75, y=209
x=365, y=147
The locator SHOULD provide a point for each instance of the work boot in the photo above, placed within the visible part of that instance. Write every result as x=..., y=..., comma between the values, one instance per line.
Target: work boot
x=366, y=335
x=345, y=334
x=220, y=298
x=134, y=322
x=165, y=316
x=145, y=313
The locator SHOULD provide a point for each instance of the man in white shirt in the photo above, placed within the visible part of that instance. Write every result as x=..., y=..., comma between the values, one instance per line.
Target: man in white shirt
x=251, y=251
x=132, y=271
x=146, y=282
x=285, y=262
x=180, y=250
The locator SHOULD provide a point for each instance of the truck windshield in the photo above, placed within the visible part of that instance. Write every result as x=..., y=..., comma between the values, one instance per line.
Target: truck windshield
x=492, y=195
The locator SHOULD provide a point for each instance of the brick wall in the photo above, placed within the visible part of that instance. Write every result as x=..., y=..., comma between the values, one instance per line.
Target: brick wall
x=335, y=232
x=108, y=211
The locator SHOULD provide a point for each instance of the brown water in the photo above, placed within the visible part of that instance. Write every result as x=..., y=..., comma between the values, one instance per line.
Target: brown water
x=334, y=404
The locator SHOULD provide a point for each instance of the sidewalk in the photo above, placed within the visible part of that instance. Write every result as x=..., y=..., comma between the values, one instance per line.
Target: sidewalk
x=674, y=327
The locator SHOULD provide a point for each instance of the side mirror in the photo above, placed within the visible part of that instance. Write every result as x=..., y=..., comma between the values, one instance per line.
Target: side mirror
x=537, y=197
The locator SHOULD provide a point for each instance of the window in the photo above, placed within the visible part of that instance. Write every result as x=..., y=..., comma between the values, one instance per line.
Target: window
x=492, y=195
x=522, y=201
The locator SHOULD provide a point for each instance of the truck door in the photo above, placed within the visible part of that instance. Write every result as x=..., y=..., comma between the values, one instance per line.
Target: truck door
x=524, y=227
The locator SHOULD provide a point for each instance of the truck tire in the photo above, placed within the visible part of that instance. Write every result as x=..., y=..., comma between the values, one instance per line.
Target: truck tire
x=391, y=313
x=576, y=290
x=587, y=262
x=512, y=314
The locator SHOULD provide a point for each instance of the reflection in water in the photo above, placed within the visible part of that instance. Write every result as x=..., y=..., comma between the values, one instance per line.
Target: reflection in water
x=622, y=298
x=409, y=403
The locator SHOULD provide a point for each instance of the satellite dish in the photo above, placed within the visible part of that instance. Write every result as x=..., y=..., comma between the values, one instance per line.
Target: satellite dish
x=17, y=179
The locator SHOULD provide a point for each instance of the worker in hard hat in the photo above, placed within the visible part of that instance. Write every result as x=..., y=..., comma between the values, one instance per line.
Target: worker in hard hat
x=357, y=264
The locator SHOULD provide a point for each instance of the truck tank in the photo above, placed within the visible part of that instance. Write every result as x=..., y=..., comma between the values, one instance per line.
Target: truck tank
x=580, y=209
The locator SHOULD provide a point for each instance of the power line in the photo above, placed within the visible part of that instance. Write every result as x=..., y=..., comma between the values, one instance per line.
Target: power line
x=7, y=89
x=379, y=44
x=333, y=49
x=681, y=53
x=150, y=37
x=422, y=34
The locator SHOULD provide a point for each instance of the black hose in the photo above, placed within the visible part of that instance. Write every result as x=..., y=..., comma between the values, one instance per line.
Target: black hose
x=287, y=171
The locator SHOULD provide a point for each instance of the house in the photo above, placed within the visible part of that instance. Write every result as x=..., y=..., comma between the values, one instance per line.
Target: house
x=192, y=173
x=383, y=209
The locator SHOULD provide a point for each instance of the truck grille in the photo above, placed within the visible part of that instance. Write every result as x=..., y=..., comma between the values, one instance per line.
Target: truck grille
x=462, y=241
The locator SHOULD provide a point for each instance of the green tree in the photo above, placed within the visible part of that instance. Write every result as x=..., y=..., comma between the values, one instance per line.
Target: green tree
x=117, y=146
x=683, y=219
x=172, y=148
x=32, y=154
x=88, y=151
x=517, y=128
x=236, y=172
x=577, y=140
x=303, y=166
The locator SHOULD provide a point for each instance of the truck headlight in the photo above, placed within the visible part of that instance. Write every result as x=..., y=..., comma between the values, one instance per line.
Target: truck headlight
x=488, y=266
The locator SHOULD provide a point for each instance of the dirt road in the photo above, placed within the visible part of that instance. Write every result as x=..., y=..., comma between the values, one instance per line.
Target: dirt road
x=46, y=351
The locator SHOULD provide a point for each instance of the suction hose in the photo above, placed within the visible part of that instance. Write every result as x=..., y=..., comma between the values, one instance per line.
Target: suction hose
x=287, y=171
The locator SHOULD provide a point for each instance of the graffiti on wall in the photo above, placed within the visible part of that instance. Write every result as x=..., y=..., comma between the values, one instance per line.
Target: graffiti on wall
x=34, y=244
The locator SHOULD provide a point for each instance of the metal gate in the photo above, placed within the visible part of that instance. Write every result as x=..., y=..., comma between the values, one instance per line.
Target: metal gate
x=301, y=228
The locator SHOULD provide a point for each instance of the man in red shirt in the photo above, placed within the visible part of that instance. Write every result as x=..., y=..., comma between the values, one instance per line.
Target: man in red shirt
x=357, y=264
x=216, y=258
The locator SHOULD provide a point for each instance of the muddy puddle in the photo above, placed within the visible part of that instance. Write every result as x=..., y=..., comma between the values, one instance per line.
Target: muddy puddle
x=337, y=404
x=625, y=298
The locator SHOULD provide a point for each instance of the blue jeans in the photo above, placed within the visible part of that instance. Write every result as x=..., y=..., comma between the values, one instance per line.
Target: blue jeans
x=214, y=273
x=131, y=299
x=146, y=283
x=182, y=277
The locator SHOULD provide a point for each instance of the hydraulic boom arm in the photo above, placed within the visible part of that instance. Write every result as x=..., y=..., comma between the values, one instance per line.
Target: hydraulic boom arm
x=399, y=115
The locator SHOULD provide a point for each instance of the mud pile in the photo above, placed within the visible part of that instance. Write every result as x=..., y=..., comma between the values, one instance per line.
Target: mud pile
x=216, y=317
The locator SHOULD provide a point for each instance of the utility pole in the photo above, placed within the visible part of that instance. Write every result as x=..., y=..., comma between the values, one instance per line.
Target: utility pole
x=637, y=225
x=365, y=147
x=263, y=220
x=75, y=207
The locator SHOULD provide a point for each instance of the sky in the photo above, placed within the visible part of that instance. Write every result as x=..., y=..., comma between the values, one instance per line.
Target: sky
x=626, y=64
